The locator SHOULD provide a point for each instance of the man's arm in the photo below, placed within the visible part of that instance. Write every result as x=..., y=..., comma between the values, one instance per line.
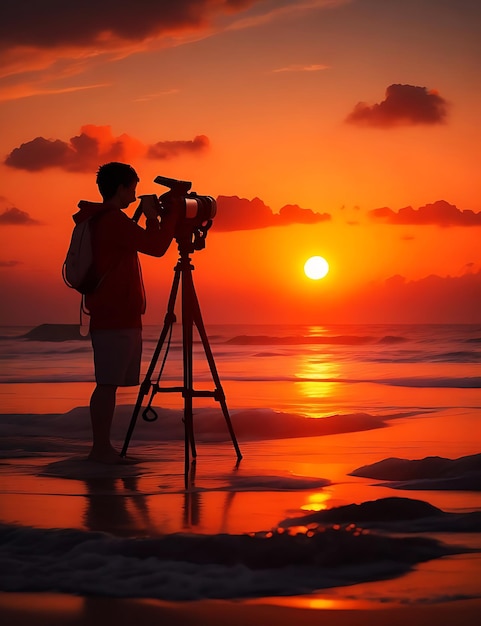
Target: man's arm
x=163, y=233
x=155, y=239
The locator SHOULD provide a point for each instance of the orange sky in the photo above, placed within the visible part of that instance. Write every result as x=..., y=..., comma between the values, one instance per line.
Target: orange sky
x=334, y=109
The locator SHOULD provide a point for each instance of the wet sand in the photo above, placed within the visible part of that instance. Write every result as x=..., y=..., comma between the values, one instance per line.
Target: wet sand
x=55, y=610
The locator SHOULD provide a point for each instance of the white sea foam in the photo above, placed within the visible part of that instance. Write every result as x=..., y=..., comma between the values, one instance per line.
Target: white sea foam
x=191, y=567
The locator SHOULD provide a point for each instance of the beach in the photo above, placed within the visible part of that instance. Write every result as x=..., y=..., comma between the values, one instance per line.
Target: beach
x=358, y=496
x=69, y=611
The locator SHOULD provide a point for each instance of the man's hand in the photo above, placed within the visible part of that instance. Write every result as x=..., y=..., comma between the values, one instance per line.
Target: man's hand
x=150, y=206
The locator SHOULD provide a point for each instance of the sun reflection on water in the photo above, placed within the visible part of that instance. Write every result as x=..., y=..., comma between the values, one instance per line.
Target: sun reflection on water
x=316, y=501
x=317, y=380
x=317, y=331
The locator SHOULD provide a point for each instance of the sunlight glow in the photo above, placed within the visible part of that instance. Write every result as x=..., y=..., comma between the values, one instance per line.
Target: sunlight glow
x=316, y=267
x=316, y=501
x=317, y=381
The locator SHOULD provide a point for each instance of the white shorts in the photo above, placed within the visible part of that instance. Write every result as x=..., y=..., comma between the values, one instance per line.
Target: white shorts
x=117, y=356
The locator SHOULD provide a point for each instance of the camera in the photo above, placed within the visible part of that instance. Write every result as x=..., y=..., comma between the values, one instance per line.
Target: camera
x=195, y=212
x=193, y=206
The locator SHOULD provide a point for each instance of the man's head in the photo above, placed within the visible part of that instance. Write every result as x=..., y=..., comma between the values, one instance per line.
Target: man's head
x=117, y=181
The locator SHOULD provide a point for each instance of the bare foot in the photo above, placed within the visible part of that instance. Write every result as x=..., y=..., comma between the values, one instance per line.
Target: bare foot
x=109, y=456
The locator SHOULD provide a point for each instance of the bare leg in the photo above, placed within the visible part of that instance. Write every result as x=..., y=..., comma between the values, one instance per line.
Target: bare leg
x=102, y=407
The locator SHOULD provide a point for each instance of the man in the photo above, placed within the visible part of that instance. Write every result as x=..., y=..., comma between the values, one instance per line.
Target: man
x=118, y=303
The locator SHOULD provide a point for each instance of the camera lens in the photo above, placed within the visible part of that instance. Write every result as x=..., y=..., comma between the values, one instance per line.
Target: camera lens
x=200, y=208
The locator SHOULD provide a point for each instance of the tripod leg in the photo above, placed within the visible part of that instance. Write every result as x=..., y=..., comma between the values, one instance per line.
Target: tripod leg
x=220, y=396
x=187, y=337
x=145, y=385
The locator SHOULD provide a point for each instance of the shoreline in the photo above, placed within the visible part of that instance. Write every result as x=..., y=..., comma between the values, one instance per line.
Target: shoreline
x=66, y=610
x=280, y=478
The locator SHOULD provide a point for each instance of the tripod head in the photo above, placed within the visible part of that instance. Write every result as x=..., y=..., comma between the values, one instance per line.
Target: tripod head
x=192, y=239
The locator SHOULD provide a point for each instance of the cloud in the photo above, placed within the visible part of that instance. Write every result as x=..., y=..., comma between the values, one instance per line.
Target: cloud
x=234, y=213
x=70, y=37
x=27, y=89
x=10, y=263
x=293, y=214
x=433, y=299
x=313, y=67
x=276, y=9
x=41, y=42
x=440, y=213
x=404, y=105
x=16, y=217
x=54, y=23
x=169, y=149
x=92, y=147
x=156, y=95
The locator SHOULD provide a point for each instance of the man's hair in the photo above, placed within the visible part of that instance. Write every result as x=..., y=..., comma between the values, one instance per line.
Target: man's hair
x=111, y=175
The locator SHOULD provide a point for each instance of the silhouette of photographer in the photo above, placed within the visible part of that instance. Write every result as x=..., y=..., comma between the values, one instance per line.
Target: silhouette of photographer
x=118, y=303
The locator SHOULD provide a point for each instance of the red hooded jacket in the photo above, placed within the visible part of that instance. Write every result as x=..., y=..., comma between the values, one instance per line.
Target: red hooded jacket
x=119, y=300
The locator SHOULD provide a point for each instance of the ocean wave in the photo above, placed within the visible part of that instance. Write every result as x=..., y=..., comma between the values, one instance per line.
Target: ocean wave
x=459, y=356
x=473, y=340
x=347, y=340
x=55, y=354
x=209, y=425
x=63, y=370
x=396, y=514
x=54, y=332
x=448, y=382
x=70, y=332
x=412, y=356
x=430, y=473
x=185, y=567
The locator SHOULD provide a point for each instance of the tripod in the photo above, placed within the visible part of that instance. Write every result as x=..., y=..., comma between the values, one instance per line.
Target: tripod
x=191, y=315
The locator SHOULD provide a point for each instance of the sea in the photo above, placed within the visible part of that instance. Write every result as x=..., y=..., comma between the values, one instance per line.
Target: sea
x=335, y=462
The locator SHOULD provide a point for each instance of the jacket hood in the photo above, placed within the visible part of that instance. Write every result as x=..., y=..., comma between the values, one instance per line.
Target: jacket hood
x=89, y=209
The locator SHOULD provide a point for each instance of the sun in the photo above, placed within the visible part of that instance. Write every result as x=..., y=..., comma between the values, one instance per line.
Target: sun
x=316, y=267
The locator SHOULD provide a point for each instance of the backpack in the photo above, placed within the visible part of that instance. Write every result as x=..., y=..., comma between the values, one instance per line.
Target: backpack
x=78, y=270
